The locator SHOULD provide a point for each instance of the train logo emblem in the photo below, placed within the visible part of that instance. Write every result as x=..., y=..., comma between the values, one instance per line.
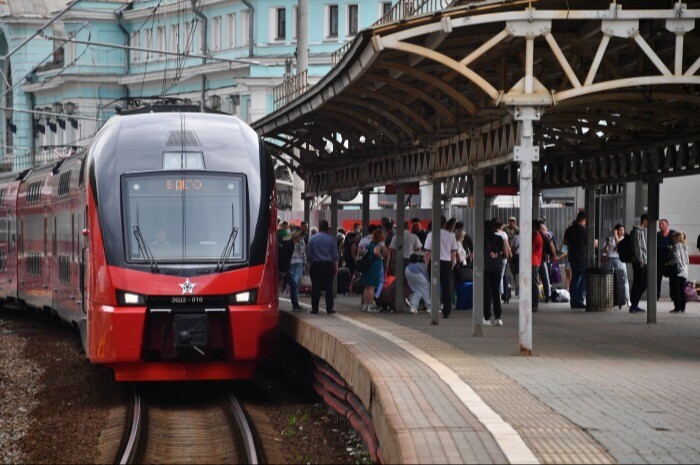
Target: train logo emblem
x=187, y=287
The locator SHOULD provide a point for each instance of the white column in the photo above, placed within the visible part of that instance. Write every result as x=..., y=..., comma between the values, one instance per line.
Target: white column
x=297, y=192
x=526, y=153
x=478, y=290
x=302, y=36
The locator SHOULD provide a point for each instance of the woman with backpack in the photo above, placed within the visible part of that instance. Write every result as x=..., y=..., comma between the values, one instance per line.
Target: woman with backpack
x=373, y=258
x=614, y=263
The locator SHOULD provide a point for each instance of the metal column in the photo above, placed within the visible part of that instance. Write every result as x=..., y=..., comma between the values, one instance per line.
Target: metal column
x=478, y=239
x=652, y=249
x=365, y=211
x=307, y=211
x=526, y=153
x=435, y=254
x=400, y=213
x=591, y=225
x=334, y=233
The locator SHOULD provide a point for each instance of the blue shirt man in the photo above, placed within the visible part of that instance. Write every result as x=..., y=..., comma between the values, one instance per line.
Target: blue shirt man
x=322, y=253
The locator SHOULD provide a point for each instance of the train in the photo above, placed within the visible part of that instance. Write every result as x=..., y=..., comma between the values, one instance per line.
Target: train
x=157, y=242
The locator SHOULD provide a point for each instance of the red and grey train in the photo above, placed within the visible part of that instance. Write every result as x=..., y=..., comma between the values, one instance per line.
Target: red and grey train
x=158, y=242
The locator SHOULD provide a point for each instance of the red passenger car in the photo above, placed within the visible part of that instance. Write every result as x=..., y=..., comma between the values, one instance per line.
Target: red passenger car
x=158, y=243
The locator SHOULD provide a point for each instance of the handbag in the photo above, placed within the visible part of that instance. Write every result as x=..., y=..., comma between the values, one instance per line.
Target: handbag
x=463, y=273
x=555, y=272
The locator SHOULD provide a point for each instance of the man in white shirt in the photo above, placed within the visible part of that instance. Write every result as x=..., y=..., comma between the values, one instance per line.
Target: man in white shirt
x=411, y=243
x=448, y=258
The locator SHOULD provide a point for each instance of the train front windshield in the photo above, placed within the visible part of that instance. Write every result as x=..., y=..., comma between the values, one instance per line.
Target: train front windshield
x=184, y=217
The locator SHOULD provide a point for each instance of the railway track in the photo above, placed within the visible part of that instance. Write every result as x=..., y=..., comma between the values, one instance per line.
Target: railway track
x=204, y=426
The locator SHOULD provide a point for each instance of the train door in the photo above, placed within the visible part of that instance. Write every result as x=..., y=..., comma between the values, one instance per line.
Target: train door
x=84, y=271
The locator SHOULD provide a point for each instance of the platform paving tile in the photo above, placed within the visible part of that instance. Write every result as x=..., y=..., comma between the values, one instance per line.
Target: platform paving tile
x=418, y=404
x=602, y=386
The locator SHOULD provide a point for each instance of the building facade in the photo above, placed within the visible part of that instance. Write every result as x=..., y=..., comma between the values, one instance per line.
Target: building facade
x=67, y=65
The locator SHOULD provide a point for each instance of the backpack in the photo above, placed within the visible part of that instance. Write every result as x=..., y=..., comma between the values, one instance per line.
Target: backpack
x=625, y=249
x=364, y=262
x=492, y=255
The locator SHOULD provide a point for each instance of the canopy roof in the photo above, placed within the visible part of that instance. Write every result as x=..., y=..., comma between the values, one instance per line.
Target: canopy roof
x=439, y=95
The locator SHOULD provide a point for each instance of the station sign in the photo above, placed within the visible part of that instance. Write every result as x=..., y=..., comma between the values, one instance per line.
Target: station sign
x=502, y=180
x=412, y=188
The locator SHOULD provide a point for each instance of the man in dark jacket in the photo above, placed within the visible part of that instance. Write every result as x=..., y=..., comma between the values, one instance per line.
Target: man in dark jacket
x=576, y=239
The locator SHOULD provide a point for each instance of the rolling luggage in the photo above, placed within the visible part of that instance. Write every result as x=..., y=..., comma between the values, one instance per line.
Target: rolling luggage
x=465, y=295
x=507, y=290
x=344, y=278
x=619, y=298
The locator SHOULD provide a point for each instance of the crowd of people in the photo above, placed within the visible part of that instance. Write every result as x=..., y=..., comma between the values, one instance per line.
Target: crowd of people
x=370, y=260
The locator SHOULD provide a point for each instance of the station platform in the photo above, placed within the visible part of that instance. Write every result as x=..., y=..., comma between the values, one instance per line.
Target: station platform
x=601, y=387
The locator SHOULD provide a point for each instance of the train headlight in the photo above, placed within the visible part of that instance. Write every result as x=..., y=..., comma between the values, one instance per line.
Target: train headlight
x=130, y=298
x=244, y=297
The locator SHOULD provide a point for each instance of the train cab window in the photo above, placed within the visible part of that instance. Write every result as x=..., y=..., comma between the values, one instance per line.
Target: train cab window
x=186, y=217
x=183, y=161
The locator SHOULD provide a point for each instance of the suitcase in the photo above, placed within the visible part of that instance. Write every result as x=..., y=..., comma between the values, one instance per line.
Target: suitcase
x=343, y=278
x=465, y=295
x=619, y=298
x=507, y=290
x=387, y=298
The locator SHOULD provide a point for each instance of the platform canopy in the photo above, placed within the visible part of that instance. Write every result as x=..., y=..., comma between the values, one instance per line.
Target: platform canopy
x=611, y=88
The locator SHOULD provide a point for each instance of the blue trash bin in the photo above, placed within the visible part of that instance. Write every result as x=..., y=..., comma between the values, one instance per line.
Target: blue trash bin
x=465, y=292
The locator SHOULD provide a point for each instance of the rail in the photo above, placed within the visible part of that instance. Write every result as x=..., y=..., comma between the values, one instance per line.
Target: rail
x=246, y=431
x=130, y=443
x=290, y=89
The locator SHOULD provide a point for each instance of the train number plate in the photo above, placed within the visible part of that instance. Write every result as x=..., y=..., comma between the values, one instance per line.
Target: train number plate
x=190, y=331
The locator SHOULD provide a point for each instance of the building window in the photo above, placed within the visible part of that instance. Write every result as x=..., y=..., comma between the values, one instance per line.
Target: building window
x=175, y=37
x=216, y=33
x=245, y=15
x=202, y=41
x=332, y=21
x=280, y=23
x=161, y=40
x=135, y=41
x=148, y=43
x=353, y=19
x=231, y=29
x=189, y=38
x=385, y=8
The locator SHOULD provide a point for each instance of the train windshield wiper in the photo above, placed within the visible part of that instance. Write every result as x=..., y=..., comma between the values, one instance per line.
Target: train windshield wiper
x=228, y=248
x=144, y=250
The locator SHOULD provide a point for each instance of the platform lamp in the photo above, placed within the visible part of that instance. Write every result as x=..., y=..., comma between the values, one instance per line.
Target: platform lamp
x=215, y=102
x=8, y=119
x=58, y=109
x=70, y=111
x=39, y=121
x=51, y=124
